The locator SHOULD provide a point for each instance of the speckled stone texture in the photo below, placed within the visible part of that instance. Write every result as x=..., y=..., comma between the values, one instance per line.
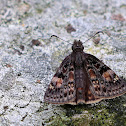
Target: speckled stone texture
x=29, y=58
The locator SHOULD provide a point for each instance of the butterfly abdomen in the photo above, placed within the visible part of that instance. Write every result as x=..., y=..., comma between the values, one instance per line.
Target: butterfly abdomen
x=81, y=77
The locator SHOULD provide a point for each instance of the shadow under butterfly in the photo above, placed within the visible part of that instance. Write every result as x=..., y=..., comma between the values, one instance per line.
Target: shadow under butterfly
x=83, y=78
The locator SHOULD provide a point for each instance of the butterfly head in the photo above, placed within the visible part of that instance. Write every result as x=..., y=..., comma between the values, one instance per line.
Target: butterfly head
x=77, y=46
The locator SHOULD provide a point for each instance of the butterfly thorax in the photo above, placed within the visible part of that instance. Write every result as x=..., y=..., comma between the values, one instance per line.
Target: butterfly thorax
x=77, y=59
x=77, y=53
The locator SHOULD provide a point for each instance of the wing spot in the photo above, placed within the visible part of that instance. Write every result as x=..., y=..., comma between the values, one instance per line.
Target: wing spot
x=97, y=65
x=107, y=85
x=97, y=88
x=51, y=87
x=69, y=85
x=72, y=85
x=123, y=86
x=70, y=92
x=117, y=91
x=61, y=96
x=65, y=94
x=104, y=89
x=65, y=86
x=97, y=81
x=66, y=65
x=93, y=81
x=58, y=75
x=114, y=91
x=102, y=82
x=71, y=69
x=58, y=90
x=115, y=79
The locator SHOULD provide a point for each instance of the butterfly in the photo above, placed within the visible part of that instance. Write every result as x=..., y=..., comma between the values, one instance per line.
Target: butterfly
x=83, y=78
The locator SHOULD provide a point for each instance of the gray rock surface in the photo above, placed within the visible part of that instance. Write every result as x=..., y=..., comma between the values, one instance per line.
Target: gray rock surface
x=27, y=68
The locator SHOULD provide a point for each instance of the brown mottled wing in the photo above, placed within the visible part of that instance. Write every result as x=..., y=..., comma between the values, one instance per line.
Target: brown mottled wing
x=62, y=87
x=104, y=82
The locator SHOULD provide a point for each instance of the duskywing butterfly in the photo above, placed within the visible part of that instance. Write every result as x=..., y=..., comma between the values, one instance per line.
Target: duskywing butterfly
x=83, y=78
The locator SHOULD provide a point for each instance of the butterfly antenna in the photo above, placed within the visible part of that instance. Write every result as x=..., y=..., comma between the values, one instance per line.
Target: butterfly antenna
x=59, y=38
x=94, y=35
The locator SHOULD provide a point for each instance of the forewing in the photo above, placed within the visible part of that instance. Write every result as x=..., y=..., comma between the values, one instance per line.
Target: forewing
x=62, y=87
x=104, y=82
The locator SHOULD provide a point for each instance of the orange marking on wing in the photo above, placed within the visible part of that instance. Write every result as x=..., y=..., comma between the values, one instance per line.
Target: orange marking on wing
x=59, y=82
x=79, y=89
x=54, y=79
x=92, y=74
x=89, y=95
x=107, y=76
x=89, y=92
x=71, y=76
